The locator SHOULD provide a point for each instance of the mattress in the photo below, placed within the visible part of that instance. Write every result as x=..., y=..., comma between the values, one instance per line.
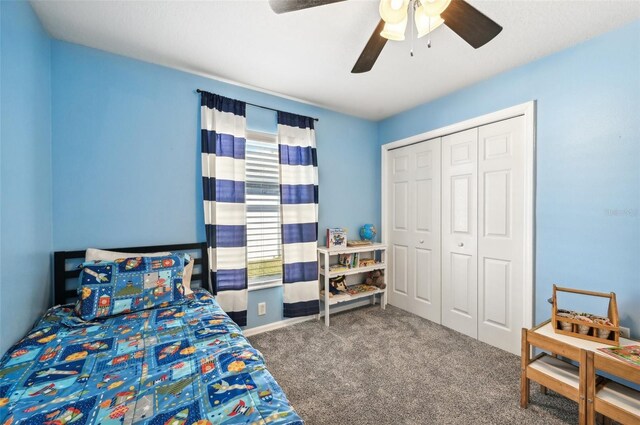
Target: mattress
x=180, y=365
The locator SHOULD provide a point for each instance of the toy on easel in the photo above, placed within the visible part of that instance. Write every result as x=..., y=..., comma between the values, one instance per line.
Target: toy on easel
x=337, y=285
x=376, y=278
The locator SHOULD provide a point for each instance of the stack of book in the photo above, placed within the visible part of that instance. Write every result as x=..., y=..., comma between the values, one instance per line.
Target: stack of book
x=349, y=260
x=358, y=243
x=338, y=268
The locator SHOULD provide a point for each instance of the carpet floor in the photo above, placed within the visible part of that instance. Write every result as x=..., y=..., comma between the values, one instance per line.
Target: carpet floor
x=374, y=366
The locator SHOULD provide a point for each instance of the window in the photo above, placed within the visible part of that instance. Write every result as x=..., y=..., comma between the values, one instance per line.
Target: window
x=264, y=247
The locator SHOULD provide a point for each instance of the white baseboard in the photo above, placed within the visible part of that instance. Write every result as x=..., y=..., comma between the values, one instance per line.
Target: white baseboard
x=295, y=320
x=276, y=325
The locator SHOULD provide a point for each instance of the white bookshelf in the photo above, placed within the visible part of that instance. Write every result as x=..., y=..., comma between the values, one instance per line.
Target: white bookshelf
x=355, y=270
x=328, y=257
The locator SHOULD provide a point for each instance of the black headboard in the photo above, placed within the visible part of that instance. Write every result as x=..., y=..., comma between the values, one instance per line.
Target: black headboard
x=63, y=294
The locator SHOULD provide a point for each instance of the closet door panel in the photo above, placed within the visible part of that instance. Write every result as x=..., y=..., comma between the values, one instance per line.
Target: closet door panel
x=414, y=224
x=426, y=243
x=399, y=187
x=459, y=232
x=501, y=188
x=400, y=272
x=426, y=284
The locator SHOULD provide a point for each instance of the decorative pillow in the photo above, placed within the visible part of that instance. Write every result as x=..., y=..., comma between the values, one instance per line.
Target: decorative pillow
x=94, y=254
x=129, y=284
x=186, y=276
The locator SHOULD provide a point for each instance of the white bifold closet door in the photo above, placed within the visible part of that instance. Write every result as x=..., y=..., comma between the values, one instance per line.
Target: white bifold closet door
x=501, y=229
x=460, y=232
x=456, y=231
x=414, y=218
x=483, y=190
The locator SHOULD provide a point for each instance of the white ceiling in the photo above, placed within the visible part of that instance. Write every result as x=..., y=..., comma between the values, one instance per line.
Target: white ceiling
x=308, y=55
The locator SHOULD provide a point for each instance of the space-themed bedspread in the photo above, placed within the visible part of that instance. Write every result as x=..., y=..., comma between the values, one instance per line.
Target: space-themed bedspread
x=181, y=365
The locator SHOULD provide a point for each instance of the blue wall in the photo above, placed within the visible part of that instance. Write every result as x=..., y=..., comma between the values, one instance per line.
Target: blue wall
x=123, y=139
x=588, y=161
x=25, y=169
x=126, y=161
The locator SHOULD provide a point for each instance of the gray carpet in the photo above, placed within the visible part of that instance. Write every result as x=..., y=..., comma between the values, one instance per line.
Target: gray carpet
x=391, y=367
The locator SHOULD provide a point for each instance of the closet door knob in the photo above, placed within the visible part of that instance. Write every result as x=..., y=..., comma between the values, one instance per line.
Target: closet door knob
x=421, y=241
x=460, y=244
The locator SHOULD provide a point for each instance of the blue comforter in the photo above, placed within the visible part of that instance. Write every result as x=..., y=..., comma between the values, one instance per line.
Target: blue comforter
x=181, y=365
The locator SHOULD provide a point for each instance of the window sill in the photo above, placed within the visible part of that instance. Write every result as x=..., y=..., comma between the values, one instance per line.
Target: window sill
x=264, y=285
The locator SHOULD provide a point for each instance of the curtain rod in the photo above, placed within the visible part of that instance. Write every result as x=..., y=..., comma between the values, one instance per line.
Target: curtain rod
x=253, y=104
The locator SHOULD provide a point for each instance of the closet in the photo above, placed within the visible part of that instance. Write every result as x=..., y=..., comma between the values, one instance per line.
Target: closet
x=455, y=228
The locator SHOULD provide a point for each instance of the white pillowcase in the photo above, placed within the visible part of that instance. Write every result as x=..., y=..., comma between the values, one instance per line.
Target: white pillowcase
x=94, y=254
x=186, y=277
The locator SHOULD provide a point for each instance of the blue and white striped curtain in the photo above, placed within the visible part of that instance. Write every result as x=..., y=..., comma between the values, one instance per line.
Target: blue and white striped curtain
x=299, y=208
x=223, y=185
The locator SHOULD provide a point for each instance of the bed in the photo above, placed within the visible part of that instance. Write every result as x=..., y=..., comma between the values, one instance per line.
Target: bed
x=175, y=365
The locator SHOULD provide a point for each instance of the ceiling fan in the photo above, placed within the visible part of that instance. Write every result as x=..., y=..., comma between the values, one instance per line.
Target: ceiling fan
x=465, y=20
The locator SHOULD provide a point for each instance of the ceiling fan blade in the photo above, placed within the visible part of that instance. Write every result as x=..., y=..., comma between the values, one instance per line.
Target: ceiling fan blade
x=284, y=6
x=371, y=51
x=469, y=23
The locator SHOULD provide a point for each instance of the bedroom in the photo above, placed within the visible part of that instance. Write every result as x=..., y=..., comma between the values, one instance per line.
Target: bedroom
x=101, y=148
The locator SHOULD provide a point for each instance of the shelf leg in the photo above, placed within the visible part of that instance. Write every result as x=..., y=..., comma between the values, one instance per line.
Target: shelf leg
x=326, y=289
x=326, y=315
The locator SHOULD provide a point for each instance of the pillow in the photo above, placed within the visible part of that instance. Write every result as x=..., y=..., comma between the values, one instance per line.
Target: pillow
x=129, y=284
x=186, y=276
x=94, y=254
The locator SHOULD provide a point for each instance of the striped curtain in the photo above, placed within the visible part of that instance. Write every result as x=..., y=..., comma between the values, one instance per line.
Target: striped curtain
x=223, y=185
x=299, y=208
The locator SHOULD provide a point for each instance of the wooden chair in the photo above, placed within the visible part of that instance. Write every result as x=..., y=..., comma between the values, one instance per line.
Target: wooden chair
x=611, y=399
x=550, y=372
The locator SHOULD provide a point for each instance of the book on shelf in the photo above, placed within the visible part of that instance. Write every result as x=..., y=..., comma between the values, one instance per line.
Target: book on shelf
x=359, y=289
x=356, y=243
x=367, y=262
x=352, y=290
x=345, y=259
x=336, y=237
x=351, y=261
x=338, y=268
x=629, y=354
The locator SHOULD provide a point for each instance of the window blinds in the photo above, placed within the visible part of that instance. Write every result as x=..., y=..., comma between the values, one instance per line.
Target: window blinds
x=263, y=211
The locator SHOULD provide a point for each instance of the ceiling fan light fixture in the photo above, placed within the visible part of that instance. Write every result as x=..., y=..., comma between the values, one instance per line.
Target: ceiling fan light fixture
x=425, y=23
x=434, y=8
x=393, y=11
x=394, y=32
